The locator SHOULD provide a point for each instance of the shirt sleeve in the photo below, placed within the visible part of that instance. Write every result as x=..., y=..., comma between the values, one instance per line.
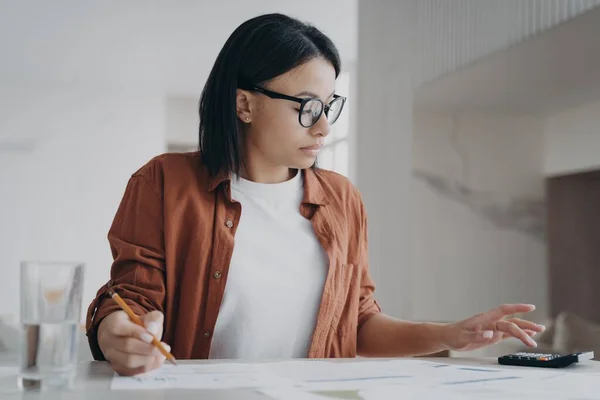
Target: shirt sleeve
x=368, y=306
x=136, y=240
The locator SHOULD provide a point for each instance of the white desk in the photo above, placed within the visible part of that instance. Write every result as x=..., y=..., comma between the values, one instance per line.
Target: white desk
x=94, y=379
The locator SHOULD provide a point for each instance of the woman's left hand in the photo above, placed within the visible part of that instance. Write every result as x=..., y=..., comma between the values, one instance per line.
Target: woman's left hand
x=492, y=327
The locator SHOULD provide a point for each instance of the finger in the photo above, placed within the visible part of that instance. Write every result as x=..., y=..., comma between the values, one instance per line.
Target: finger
x=122, y=326
x=158, y=353
x=513, y=330
x=128, y=372
x=153, y=321
x=527, y=331
x=497, y=338
x=157, y=362
x=500, y=312
x=126, y=360
x=133, y=345
x=524, y=324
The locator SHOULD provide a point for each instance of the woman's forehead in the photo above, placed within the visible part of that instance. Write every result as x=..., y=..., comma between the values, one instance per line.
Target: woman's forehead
x=316, y=76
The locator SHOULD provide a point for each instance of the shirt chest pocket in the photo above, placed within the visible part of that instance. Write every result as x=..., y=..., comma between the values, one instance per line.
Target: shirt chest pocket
x=347, y=289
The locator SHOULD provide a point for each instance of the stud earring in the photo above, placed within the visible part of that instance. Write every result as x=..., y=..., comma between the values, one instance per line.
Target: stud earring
x=247, y=119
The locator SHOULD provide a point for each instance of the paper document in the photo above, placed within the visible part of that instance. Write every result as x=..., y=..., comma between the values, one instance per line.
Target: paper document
x=561, y=384
x=206, y=376
x=331, y=375
x=378, y=379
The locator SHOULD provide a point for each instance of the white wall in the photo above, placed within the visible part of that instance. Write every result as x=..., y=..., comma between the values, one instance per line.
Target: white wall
x=182, y=120
x=383, y=142
x=572, y=140
x=475, y=223
x=142, y=43
x=60, y=193
x=477, y=207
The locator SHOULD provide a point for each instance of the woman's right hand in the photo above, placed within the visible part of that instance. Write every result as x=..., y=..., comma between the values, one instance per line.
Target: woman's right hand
x=127, y=346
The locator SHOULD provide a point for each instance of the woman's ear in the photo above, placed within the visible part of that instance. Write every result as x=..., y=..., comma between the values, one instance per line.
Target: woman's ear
x=243, y=103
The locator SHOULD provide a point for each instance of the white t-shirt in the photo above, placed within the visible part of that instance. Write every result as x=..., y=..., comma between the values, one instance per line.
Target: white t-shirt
x=275, y=279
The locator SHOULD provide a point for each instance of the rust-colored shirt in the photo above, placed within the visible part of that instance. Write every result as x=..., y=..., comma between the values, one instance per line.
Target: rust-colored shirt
x=172, y=240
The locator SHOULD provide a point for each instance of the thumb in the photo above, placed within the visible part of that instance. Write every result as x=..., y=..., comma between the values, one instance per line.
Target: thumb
x=153, y=321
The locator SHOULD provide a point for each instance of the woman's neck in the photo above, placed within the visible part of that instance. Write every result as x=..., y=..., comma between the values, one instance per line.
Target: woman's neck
x=257, y=169
x=267, y=175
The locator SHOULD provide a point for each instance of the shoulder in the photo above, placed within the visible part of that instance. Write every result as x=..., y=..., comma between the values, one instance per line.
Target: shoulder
x=339, y=191
x=170, y=169
x=168, y=162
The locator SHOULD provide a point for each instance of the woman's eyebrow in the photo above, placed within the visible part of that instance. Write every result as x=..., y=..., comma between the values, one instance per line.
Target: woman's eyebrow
x=311, y=94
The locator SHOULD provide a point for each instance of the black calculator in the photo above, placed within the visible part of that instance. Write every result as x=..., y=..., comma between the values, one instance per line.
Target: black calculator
x=545, y=360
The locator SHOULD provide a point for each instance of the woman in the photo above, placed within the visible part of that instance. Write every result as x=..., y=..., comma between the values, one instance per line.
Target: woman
x=298, y=283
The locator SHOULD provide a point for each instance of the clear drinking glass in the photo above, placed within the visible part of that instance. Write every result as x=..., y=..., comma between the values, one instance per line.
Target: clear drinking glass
x=51, y=297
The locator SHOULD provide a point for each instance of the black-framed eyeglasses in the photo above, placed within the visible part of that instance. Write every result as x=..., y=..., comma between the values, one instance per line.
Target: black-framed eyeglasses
x=311, y=109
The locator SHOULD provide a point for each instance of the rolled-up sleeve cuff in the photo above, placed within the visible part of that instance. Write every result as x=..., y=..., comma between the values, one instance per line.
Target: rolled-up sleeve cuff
x=100, y=308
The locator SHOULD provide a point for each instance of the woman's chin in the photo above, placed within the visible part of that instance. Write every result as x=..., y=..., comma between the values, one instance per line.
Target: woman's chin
x=305, y=164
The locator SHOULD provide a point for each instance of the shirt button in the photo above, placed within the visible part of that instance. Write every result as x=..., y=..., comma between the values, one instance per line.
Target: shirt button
x=206, y=334
x=229, y=223
x=217, y=274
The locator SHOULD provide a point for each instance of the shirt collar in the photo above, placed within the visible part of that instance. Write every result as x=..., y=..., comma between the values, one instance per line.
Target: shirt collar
x=313, y=188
